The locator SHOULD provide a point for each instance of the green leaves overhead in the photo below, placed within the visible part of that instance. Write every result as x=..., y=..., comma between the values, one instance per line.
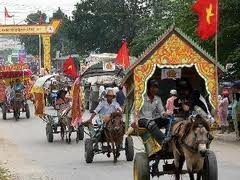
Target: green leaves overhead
x=101, y=24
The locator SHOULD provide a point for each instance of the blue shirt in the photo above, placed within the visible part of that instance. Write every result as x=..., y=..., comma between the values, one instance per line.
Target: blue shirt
x=104, y=108
x=120, y=97
x=18, y=87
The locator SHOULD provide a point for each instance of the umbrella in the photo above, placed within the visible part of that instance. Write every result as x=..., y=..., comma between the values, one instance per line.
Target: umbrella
x=41, y=81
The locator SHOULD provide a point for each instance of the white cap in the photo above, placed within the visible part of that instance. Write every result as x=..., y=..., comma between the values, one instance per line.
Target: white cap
x=173, y=92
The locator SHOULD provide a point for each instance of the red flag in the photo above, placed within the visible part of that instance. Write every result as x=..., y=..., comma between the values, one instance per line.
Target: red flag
x=7, y=14
x=207, y=11
x=69, y=68
x=123, y=56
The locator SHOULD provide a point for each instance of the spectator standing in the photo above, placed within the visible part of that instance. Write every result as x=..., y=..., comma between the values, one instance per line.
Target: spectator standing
x=120, y=97
x=170, y=102
x=223, y=111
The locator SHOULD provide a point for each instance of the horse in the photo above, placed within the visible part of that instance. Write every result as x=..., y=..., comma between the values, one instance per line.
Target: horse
x=65, y=121
x=189, y=143
x=114, y=132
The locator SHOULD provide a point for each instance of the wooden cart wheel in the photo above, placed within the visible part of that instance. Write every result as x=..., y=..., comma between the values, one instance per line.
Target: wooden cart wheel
x=129, y=149
x=4, y=111
x=49, y=132
x=27, y=111
x=16, y=114
x=80, y=133
x=141, y=170
x=89, y=154
x=210, y=169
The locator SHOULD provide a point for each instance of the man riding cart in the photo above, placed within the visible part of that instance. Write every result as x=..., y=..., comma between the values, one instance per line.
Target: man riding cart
x=105, y=108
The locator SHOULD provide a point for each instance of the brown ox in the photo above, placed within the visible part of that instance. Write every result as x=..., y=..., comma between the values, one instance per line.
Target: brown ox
x=189, y=144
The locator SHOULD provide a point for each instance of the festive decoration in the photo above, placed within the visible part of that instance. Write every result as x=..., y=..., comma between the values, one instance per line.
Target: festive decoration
x=123, y=55
x=174, y=53
x=39, y=103
x=69, y=68
x=47, y=52
x=109, y=66
x=15, y=67
x=171, y=73
x=77, y=107
x=2, y=91
x=207, y=11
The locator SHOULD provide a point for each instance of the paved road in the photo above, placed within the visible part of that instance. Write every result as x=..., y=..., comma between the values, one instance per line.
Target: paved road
x=24, y=148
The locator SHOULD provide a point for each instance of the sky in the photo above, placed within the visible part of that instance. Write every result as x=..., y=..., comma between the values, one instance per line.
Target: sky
x=21, y=8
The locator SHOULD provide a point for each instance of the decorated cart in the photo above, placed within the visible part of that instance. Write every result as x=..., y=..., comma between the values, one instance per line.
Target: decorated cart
x=174, y=57
x=65, y=122
x=8, y=75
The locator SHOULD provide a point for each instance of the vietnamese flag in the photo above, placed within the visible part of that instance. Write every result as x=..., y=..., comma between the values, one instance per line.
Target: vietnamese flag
x=207, y=11
x=69, y=68
x=123, y=56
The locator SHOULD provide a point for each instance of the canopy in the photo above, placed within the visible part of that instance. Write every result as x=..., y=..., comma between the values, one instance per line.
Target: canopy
x=41, y=81
x=173, y=50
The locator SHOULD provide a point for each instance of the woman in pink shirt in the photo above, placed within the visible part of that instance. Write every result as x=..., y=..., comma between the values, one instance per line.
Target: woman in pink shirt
x=223, y=111
x=170, y=110
x=170, y=102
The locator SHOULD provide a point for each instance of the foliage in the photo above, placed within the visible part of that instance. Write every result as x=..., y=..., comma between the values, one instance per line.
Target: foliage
x=60, y=40
x=32, y=42
x=101, y=24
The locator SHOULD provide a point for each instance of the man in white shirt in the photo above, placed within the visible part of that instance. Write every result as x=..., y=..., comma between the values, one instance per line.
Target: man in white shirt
x=152, y=115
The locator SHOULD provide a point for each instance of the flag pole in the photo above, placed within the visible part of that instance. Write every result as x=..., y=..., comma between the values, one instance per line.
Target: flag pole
x=216, y=55
x=216, y=47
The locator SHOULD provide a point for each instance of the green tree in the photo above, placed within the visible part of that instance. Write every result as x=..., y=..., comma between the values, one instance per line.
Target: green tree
x=61, y=41
x=103, y=23
x=32, y=42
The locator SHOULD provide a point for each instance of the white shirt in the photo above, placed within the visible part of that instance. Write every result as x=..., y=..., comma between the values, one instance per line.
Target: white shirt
x=151, y=110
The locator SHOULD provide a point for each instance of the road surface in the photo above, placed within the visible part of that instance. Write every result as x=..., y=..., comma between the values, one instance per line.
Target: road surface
x=25, y=150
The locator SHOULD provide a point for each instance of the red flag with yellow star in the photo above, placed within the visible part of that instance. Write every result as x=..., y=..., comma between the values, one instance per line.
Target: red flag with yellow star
x=69, y=68
x=207, y=11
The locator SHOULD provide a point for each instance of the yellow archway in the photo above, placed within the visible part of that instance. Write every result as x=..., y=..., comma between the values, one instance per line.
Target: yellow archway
x=45, y=30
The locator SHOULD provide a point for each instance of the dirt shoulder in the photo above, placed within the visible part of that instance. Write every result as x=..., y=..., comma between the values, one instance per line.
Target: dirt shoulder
x=14, y=160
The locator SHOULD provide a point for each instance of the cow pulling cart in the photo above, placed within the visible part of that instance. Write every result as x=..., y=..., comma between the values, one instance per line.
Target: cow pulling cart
x=174, y=57
x=57, y=122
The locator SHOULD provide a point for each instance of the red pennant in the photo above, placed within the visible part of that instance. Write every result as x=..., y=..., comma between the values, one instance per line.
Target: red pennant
x=207, y=11
x=123, y=56
x=6, y=13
